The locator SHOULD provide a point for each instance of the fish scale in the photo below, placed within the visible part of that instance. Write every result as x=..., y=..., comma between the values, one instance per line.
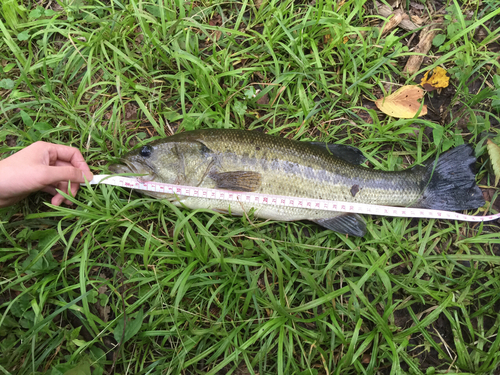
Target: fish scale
x=242, y=160
x=296, y=165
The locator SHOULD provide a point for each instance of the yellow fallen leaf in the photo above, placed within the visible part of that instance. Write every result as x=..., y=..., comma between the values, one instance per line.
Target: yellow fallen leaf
x=403, y=103
x=494, y=152
x=434, y=79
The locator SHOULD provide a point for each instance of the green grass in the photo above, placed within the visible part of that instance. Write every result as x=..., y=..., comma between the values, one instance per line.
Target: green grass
x=120, y=283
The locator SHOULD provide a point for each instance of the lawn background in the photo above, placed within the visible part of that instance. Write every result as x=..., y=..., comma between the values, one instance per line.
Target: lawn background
x=120, y=283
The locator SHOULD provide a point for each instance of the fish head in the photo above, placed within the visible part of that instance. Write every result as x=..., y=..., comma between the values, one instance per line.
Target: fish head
x=167, y=162
x=138, y=162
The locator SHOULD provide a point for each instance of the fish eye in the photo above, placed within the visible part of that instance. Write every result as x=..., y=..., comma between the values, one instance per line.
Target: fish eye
x=146, y=151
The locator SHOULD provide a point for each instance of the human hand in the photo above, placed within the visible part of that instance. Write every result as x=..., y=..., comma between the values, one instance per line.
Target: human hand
x=44, y=167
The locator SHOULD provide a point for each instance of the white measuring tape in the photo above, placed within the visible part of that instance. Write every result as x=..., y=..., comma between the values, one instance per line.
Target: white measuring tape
x=279, y=200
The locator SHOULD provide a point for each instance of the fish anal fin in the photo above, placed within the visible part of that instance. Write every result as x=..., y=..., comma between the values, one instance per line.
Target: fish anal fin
x=237, y=180
x=351, y=224
x=347, y=153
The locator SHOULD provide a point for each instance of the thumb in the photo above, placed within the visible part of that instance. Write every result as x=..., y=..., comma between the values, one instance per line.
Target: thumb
x=53, y=175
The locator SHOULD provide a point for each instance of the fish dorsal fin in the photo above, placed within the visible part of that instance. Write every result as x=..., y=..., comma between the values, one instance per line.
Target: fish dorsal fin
x=351, y=224
x=237, y=180
x=347, y=153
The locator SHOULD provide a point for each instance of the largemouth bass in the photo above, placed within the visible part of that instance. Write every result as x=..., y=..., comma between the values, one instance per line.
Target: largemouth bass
x=242, y=160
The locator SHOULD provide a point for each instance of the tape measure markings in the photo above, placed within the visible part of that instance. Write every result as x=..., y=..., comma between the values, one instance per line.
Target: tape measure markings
x=277, y=200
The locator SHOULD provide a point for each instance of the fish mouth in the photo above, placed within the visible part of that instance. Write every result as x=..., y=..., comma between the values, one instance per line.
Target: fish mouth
x=119, y=168
x=126, y=166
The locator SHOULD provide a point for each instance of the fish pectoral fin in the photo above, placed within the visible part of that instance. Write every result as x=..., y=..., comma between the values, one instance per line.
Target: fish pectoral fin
x=347, y=153
x=237, y=180
x=351, y=224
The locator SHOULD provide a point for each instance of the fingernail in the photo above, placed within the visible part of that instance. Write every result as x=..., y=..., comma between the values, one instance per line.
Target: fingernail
x=87, y=175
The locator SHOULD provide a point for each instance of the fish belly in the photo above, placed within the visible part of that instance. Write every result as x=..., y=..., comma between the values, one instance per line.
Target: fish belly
x=262, y=211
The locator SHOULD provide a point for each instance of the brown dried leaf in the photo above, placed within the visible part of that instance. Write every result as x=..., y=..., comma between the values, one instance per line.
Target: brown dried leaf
x=103, y=312
x=403, y=103
x=216, y=20
x=366, y=358
x=423, y=46
x=395, y=20
x=264, y=99
x=434, y=79
x=417, y=20
x=386, y=11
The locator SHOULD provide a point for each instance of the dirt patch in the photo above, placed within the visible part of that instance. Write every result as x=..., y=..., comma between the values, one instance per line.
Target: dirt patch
x=438, y=104
x=11, y=140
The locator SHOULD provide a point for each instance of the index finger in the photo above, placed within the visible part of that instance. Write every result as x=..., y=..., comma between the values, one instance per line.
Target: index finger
x=68, y=154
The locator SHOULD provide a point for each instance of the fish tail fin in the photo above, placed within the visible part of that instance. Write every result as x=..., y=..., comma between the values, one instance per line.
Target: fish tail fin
x=450, y=182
